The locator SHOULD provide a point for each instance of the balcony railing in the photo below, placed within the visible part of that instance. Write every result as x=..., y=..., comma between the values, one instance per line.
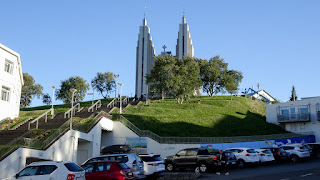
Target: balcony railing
x=305, y=117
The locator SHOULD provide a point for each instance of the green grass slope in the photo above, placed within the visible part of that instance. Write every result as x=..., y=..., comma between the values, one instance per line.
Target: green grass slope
x=214, y=117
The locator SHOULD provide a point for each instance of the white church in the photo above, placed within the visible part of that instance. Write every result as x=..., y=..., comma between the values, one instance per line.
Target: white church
x=11, y=82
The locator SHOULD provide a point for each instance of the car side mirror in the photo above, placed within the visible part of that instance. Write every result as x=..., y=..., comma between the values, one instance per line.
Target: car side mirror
x=17, y=175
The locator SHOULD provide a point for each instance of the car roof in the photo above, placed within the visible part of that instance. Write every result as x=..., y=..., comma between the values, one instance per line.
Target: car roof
x=148, y=155
x=293, y=145
x=239, y=148
x=103, y=162
x=121, y=154
x=47, y=163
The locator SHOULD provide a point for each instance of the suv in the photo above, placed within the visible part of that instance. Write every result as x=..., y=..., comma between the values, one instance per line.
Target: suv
x=107, y=170
x=130, y=159
x=153, y=164
x=245, y=155
x=279, y=153
x=296, y=151
x=53, y=170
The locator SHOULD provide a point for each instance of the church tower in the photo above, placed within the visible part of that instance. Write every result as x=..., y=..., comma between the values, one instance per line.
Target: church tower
x=144, y=59
x=184, y=45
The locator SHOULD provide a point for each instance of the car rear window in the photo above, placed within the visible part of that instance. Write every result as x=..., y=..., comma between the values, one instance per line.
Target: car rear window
x=303, y=147
x=150, y=159
x=267, y=151
x=282, y=150
x=123, y=166
x=251, y=151
x=73, y=167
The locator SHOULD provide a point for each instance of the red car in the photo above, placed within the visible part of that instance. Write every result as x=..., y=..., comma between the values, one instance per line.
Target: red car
x=107, y=170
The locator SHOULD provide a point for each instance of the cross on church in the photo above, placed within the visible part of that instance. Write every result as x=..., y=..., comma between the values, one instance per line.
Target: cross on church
x=164, y=48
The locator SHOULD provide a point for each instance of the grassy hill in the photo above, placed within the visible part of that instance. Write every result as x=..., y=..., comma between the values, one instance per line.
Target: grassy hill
x=214, y=117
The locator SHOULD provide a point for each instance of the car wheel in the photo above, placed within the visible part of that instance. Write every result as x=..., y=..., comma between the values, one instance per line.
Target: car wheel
x=169, y=166
x=241, y=163
x=203, y=167
x=294, y=158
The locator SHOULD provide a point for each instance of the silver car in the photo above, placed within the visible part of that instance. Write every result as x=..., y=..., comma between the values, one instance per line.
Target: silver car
x=296, y=152
x=133, y=161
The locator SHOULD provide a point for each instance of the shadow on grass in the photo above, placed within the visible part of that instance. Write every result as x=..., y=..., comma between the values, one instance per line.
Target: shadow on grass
x=251, y=124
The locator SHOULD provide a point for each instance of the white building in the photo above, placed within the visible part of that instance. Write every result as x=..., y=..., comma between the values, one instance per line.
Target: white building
x=301, y=116
x=184, y=43
x=145, y=61
x=264, y=93
x=11, y=82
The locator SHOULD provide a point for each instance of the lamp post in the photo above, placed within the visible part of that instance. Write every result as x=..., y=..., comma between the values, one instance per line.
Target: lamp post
x=73, y=91
x=115, y=91
x=120, y=84
x=53, y=87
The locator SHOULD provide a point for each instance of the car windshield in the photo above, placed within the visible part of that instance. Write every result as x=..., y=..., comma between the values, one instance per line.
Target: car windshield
x=73, y=167
x=267, y=151
x=150, y=159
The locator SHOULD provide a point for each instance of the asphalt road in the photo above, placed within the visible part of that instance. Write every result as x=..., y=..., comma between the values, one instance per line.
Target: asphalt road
x=306, y=170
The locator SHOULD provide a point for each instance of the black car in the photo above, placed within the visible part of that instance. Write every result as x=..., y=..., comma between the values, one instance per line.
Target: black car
x=315, y=149
x=231, y=161
x=279, y=153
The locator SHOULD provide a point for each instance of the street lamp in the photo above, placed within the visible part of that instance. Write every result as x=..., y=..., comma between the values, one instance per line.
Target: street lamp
x=73, y=91
x=115, y=91
x=53, y=87
x=120, y=84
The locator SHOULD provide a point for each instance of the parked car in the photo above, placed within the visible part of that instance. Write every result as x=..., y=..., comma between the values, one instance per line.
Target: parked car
x=53, y=170
x=279, y=153
x=245, y=156
x=107, y=170
x=265, y=155
x=296, y=152
x=190, y=158
x=130, y=159
x=231, y=160
x=120, y=148
x=153, y=164
x=315, y=149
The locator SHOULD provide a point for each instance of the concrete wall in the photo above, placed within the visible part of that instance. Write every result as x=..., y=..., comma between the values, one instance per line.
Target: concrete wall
x=13, y=81
x=297, y=127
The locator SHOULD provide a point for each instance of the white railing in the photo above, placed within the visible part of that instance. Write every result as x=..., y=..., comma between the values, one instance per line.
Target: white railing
x=111, y=104
x=97, y=105
x=125, y=100
x=73, y=109
x=37, y=119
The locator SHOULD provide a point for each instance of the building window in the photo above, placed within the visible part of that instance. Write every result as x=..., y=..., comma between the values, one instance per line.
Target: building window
x=5, y=93
x=8, y=67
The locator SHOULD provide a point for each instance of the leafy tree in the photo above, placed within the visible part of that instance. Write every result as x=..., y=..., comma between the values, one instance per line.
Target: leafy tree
x=294, y=96
x=29, y=90
x=46, y=99
x=160, y=75
x=185, y=78
x=104, y=83
x=232, y=80
x=75, y=82
x=212, y=74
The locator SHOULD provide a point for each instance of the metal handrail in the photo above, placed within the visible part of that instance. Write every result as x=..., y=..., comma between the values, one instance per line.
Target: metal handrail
x=37, y=119
x=294, y=117
x=97, y=105
x=202, y=140
x=72, y=109
x=111, y=104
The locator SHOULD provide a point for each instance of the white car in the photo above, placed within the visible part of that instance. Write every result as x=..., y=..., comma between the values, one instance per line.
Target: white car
x=51, y=170
x=296, y=151
x=265, y=155
x=130, y=159
x=245, y=155
x=153, y=164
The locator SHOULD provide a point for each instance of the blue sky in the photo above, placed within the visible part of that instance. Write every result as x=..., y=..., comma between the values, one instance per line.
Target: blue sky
x=274, y=43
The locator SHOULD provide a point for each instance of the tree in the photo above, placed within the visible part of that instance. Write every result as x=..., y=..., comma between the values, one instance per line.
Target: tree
x=46, y=99
x=232, y=80
x=29, y=90
x=104, y=82
x=212, y=74
x=294, y=96
x=185, y=78
x=75, y=82
x=160, y=75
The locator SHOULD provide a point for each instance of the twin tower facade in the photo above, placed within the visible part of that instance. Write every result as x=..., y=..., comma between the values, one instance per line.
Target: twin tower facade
x=145, y=53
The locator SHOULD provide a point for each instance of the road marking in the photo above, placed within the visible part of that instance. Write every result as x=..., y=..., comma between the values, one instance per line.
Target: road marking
x=285, y=179
x=309, y=174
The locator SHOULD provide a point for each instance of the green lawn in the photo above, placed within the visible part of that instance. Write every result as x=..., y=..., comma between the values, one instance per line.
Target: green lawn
x=214, y=117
